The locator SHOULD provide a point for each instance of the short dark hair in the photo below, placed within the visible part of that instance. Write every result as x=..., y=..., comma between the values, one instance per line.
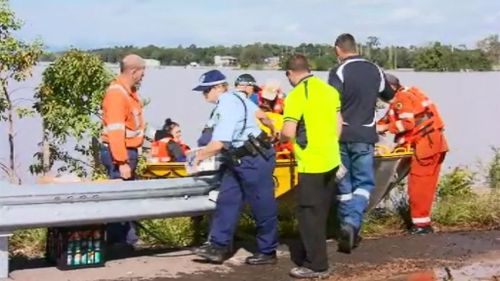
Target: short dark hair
x=346, y=42
x=298, y=62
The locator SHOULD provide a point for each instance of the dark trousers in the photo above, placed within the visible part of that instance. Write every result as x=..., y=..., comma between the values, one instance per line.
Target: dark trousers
x=251, y=182
x=122, y=232
x=314, y=199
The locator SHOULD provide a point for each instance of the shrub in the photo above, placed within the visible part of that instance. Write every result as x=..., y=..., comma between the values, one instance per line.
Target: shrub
x=493, y=169
x=458, y=182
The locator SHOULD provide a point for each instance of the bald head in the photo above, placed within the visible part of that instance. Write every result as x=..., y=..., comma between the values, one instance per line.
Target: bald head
x=131, y=62
x=132, y=69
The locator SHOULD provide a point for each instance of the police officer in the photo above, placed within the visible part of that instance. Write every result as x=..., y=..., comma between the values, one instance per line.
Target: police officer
x=247, y=174
x=246, y=83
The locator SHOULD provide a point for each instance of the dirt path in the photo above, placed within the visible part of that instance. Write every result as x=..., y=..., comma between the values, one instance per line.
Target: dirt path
x=461, y=255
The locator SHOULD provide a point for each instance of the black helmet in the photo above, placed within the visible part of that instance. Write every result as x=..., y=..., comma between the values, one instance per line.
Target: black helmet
x=392, y=79
x=245, y=79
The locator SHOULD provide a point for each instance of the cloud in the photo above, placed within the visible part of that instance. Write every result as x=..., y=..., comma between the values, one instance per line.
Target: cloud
x=170, y=23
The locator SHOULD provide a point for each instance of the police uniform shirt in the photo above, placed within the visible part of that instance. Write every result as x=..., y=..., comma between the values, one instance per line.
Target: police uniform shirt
x=212, y=120
x=229, y=119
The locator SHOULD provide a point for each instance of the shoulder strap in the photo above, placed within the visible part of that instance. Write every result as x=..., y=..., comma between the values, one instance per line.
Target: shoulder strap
x=245, y=119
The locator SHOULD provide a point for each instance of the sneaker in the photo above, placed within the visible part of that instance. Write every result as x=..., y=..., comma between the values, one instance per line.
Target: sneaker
x=346, y=238
x=306, y=273
x=417, y=230
x=213, y=253
x=260, y=258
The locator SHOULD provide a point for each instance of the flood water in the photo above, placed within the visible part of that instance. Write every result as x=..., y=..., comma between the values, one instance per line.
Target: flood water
x=469, y=103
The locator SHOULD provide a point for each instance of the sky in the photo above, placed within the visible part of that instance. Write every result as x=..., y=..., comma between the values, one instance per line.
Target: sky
x=106, y=23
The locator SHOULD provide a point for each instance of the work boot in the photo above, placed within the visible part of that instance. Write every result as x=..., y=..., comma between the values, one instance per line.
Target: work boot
x=260, y=258
x=346, y=238
x=357, y=240
x=421, y=230
x=306, y=273
x=213, y=253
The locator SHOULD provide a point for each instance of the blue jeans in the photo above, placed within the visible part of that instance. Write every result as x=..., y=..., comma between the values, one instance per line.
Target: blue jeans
x=121, y=232
x=251, y=182
x=359, y=181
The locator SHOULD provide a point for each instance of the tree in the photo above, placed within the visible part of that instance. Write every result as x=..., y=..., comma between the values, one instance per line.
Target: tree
x=491, y=46
x=69, y=100
x=323, y=63
x=431, y=58
x=17, y=59
x=252, y=55
x=372, y=43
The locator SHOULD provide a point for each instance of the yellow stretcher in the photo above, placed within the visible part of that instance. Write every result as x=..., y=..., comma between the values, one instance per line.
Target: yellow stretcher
x=390, y=167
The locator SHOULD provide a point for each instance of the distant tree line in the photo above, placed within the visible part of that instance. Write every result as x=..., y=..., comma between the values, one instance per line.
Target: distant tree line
x=433, y=57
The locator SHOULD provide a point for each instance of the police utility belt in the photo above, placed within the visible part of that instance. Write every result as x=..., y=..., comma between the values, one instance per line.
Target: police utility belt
x=254, y=146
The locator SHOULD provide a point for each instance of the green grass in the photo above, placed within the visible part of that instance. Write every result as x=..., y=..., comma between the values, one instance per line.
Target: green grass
x=468, y=211
x=30, y=243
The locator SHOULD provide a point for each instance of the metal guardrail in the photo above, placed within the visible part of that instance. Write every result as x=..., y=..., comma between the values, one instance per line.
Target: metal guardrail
x=98, y=202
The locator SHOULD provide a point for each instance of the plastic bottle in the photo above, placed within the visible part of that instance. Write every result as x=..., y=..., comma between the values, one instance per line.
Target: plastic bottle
x=78, y=256
x=97, y=247
x=90, y=249
x=84, y=249
x=69, y=251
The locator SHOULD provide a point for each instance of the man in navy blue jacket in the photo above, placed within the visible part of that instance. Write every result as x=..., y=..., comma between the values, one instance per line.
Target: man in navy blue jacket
x=360, y=83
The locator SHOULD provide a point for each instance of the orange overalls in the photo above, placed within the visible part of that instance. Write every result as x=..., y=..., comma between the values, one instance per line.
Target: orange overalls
x=415, y=121
x=123, y=122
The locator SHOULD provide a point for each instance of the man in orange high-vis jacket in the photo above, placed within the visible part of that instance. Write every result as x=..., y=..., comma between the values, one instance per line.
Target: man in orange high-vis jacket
x=415, y=121
x=123, y=134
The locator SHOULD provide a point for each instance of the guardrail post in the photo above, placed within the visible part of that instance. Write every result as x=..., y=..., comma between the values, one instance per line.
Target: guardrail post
x=4, y=255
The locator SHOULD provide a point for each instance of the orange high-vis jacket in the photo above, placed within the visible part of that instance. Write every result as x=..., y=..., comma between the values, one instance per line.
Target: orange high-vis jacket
x=415, y=121
x=123, y=122
x=160, y=151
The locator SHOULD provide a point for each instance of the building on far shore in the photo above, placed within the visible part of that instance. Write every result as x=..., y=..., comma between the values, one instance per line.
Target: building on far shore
x=272, y=62
x=225, y=61
x=152, y=63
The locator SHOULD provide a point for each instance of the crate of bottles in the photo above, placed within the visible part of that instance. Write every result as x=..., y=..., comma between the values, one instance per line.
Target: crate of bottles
x=76, y=247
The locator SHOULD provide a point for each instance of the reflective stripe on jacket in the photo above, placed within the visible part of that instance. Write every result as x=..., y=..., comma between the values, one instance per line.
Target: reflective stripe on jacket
x=415, y=121
x=123, y=122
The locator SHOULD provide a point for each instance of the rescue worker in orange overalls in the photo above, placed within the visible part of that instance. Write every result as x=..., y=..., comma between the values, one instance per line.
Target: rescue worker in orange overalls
x=168, y=145
x=123, y=134
x=415, y=121
x=271, y=99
